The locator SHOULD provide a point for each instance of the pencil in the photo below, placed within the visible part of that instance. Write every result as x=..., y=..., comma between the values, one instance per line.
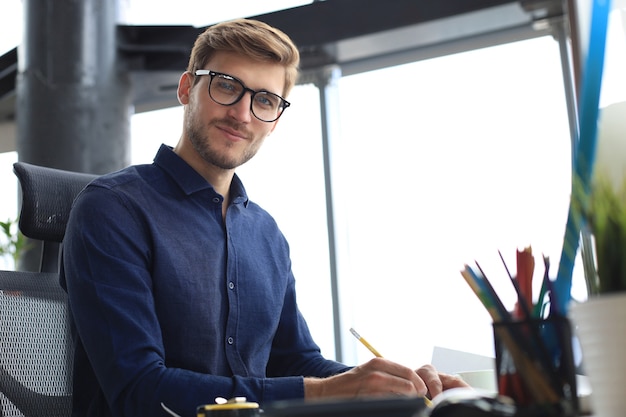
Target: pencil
x=366, y=343
x=378, y=355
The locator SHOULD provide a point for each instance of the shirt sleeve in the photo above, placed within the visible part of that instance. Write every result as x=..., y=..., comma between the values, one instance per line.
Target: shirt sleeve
x=294, y=352
x=106, y=270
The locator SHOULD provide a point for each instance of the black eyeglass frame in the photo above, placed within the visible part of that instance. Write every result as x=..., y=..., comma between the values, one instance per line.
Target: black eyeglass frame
x=284, y=103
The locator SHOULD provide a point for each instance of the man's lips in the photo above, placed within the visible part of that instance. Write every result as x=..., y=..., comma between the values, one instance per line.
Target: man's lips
x=234, y=134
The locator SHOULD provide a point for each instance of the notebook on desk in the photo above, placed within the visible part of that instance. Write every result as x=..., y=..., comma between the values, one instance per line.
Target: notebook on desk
x=451, y=361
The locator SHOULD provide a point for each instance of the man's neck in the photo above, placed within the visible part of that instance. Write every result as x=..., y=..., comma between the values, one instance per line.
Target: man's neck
x=219, y=178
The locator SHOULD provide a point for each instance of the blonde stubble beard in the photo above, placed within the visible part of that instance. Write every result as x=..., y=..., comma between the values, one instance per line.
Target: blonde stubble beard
x=201, y=142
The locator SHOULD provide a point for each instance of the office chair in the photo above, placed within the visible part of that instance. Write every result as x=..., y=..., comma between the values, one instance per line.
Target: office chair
x=36, y=346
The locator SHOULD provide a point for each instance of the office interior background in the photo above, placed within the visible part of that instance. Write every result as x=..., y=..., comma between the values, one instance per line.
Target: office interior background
x=439, y=163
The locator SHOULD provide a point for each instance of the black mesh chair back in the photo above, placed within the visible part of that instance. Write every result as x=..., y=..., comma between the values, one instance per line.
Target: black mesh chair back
x=47, y=196
x=36, y=346
x=36, y=349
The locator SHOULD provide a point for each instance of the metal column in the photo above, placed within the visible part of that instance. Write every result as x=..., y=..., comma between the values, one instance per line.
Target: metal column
x=73, y=96
x=326, y=81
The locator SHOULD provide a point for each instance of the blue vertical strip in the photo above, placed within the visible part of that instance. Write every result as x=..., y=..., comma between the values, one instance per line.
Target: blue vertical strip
x=586, y=149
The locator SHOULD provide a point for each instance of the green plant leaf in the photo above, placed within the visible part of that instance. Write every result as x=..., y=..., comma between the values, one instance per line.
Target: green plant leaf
x=606, y=216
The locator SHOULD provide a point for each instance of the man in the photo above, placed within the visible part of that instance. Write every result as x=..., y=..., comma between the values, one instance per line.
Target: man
x=180, y=287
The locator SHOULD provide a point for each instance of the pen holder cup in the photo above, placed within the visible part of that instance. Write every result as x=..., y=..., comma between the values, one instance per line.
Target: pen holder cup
x=535, y=366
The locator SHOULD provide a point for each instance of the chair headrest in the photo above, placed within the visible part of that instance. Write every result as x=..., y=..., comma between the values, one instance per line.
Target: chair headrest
x=47, y=197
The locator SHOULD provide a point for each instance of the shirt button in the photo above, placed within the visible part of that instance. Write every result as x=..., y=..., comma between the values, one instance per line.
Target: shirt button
x=230, y=340
x=216, y=200
x=231, y=285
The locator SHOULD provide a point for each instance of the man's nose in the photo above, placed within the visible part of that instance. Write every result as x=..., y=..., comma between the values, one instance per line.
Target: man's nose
x=242, y=110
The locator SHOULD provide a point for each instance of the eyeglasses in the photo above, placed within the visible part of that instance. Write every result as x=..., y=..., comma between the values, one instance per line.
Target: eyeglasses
x=228, y=90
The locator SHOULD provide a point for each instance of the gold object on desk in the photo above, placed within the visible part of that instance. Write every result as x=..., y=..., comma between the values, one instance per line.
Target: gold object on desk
x=234, y=407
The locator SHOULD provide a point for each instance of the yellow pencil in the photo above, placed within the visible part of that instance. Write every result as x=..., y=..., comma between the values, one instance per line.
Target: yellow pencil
x=365, y=343
x=378, y=355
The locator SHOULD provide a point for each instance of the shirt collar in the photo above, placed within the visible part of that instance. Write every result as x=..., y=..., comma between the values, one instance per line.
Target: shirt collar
x=189, y=180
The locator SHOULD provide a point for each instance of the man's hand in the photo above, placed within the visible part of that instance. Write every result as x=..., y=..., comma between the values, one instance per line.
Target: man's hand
x=438, y=382
x=381, y=377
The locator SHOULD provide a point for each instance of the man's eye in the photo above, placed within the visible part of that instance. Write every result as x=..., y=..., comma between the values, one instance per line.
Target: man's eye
x=228, y=86
x=267, y=100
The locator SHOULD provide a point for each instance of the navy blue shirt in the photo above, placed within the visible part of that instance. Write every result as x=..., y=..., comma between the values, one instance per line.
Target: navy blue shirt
x=173, y=304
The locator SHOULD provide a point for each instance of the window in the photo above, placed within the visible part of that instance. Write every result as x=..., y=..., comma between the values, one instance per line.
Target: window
x=448, y=161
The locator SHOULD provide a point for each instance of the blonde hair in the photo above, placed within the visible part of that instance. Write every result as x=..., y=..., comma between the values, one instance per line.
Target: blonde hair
x=252, y=38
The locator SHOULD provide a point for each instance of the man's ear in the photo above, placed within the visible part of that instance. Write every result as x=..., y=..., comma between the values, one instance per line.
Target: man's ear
x=184, y=87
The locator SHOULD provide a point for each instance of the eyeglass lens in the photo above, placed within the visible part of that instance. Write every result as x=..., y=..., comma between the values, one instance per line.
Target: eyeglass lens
x=226, y=90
